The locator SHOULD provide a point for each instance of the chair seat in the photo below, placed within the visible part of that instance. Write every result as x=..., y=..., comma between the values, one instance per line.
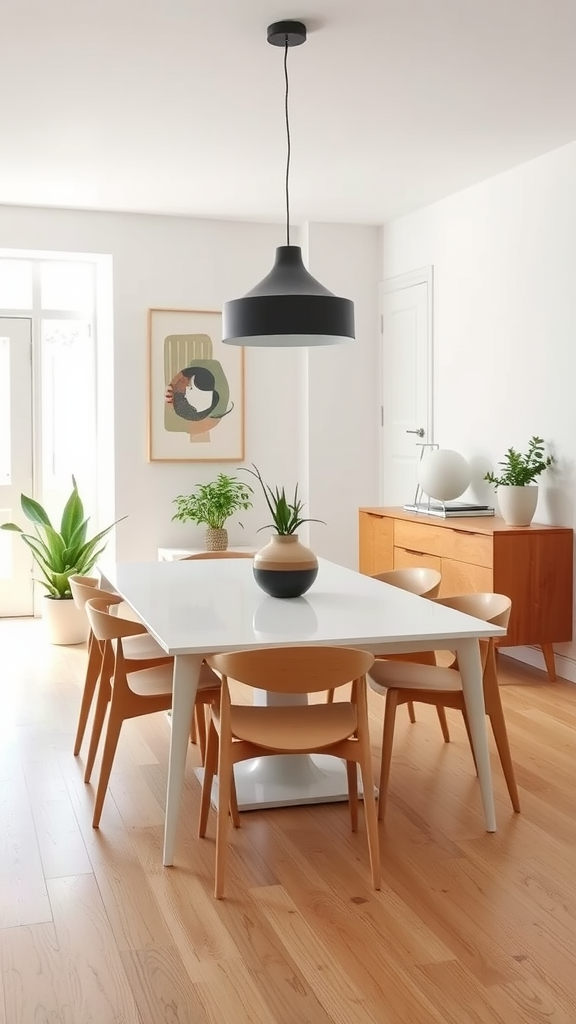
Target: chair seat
x=158, y=680
x=294, y=729
x=406, y=675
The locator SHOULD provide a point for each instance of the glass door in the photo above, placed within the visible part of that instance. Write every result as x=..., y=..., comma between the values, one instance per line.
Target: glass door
x=16, y=441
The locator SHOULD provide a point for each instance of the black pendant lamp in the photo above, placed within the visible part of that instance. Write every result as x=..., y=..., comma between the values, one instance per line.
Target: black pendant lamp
x=289, y=307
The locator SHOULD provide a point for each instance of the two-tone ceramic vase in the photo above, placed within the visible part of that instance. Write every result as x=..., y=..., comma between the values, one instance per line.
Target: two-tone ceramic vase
x=284, y=567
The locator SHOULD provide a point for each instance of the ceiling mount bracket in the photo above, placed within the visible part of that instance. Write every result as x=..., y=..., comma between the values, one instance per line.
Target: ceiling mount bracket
x=286, y=33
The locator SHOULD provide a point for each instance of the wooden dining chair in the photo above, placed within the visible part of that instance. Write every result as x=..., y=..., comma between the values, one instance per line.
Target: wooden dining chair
x=418, y=579
x=239, y=732
x=83, y=588
x=424, y=582
x=143, y=649
x=133, y=690
x=400, y=682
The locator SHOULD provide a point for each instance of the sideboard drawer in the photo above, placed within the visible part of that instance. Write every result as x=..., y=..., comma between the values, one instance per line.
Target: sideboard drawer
x=440, y=540
x=464, y=578
x=376, y=544
x=406, y=558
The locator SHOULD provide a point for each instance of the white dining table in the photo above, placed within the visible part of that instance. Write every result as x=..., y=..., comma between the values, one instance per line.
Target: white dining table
x=194, y=608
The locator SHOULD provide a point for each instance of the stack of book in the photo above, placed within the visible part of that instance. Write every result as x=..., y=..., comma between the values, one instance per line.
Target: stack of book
x=453, y=509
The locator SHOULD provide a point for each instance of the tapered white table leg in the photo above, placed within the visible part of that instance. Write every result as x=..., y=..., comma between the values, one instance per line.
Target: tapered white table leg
x=470, y=665
x=186, y=676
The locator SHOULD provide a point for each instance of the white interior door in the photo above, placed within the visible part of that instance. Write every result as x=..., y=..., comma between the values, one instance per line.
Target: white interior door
x=407, y=414
x=16, y=593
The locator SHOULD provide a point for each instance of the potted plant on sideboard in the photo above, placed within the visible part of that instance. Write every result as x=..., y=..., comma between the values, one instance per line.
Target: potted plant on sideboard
x=284, y=567
x=60, y=554
x=517, y=492
x=211, y=505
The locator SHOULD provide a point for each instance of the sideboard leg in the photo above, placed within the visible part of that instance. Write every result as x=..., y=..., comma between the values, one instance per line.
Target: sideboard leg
x=548, y=652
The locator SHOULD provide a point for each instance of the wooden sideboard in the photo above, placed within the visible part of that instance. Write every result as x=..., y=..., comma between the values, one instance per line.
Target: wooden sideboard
x=533, y=565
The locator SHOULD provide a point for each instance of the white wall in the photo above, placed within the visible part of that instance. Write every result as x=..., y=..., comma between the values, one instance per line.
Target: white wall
x=504, y=257
x=180, y=262
x=343, y=396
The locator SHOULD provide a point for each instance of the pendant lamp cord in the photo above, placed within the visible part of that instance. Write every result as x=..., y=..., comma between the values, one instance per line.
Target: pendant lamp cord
x=288, y=143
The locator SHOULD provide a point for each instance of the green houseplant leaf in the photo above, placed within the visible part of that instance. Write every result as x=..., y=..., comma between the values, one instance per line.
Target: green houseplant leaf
x=520, y=470
x=64, y=553
x=213, y=503
x=286, y=515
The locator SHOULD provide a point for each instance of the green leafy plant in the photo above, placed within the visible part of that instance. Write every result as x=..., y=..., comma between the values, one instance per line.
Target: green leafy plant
x=519, y=470
x=214, y=503
x=286, y=515
x=64, y=553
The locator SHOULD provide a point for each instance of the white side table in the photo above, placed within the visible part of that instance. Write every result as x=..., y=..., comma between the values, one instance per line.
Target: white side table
x=174, y=554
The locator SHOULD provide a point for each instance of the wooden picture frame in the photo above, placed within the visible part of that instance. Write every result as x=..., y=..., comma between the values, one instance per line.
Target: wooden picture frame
x=195, y=388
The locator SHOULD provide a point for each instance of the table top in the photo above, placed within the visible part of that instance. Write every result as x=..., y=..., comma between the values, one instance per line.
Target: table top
x=208, y=606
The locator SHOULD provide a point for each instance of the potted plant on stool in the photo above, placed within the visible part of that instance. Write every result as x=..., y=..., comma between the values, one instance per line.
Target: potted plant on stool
x=59, y=555
x=517, y=492
x=212, y=505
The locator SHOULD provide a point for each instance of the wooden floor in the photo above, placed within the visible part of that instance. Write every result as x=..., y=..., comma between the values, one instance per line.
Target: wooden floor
x=469, y=928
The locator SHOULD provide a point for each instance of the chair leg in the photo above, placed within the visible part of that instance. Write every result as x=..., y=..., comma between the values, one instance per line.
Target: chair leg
x=330, y=697
x=102, y=701
x=352, y=775
x=224, y=788
x=92, y=673
x=411, y=711
x=110, y=744
x=210, y=765
x=387, y=742
x=498, y=724
x=441, y=712
x=234, y=812
x=199, y=722
x=365, y=761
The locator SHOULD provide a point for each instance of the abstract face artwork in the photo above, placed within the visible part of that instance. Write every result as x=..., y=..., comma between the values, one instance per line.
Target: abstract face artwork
x=198, y=395
x=202, y=390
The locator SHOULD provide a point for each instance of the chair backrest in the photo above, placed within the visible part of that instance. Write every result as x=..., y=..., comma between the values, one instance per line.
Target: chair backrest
x=82, y=588
x=493, y=608
x=107, y=626
x=294, y=669
x=417, y=580
x=217, y=554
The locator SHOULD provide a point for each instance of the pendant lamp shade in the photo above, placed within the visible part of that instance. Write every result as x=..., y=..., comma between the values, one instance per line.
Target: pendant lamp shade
x=287, y=309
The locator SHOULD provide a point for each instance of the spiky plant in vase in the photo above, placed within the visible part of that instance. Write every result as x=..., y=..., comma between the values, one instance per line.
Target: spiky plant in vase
x=284, y=567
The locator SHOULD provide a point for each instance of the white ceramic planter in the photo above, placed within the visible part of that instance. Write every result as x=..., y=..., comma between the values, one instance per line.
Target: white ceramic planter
x=518, y=504
x=64, y=622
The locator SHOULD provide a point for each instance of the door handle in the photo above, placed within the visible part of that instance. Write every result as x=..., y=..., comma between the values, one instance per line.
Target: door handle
x=420, y=432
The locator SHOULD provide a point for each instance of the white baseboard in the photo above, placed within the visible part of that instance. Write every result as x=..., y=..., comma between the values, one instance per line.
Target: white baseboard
x=565, y=667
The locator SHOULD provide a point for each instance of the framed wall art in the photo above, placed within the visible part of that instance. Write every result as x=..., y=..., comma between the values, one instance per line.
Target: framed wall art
x=196, y=389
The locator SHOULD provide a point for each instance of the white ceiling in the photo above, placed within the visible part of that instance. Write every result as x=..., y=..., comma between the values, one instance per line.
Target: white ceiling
x=176, y=106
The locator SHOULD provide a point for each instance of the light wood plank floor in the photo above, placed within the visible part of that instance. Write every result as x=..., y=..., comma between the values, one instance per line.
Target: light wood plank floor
x=469, y=928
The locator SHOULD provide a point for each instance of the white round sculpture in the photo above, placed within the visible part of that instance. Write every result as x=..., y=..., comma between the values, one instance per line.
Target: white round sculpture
x=443, y=474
